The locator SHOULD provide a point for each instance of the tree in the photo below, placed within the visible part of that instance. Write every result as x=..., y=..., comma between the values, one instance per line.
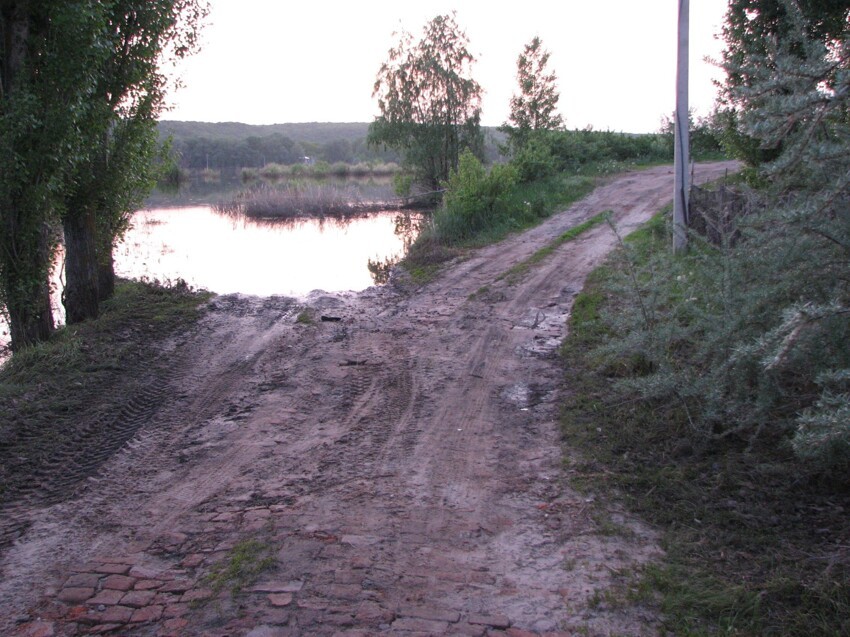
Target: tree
x=119, y=170
x=430, y=106
x=752, y=30
x=48, y=51
x=535, y=107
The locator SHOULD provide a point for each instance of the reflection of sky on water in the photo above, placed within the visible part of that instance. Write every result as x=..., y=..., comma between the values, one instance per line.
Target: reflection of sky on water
x=226, y=255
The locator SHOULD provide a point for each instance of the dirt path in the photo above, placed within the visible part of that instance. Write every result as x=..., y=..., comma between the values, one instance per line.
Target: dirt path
x=400, y=464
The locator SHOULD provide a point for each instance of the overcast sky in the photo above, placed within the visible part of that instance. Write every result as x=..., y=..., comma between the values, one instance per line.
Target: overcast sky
x=272, y=61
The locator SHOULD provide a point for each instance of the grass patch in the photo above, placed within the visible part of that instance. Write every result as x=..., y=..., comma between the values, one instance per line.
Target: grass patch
x=520, y=269
x=57, y=397
x=245, y=563
x=755, y=543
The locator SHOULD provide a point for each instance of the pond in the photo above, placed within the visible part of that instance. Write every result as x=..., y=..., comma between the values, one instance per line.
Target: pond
x=181, y=236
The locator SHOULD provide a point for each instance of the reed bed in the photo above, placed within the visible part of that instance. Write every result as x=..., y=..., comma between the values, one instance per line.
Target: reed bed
x=298, y=199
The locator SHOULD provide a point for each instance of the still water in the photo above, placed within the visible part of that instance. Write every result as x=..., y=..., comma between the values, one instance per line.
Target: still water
x=226, y=254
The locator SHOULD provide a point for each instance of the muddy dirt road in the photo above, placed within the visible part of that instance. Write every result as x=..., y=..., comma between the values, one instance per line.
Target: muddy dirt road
x=400, y=465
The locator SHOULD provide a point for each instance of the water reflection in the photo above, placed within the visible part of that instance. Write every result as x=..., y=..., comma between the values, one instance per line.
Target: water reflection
x=229, y=254
x=226, y=254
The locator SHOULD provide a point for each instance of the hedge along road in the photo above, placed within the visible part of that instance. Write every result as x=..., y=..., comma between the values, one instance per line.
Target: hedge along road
x=395, y=470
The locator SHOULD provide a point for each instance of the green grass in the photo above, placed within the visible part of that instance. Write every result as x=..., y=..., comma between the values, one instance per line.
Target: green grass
x=515, y=273
x=753, y=546
x=245, y=563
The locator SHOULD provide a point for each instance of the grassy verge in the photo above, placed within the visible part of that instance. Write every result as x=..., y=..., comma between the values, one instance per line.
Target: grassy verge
x=56, y=398
x=754, y=544
x=520, y=269
x=526, y=205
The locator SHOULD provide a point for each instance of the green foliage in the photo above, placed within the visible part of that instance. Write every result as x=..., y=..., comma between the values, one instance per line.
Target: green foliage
x=474, y=196
x=735, y=513
x=245, y=563
x=534, y=107
x=429, y=104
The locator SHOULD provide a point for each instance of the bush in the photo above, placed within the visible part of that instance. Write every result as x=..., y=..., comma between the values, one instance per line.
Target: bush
x=474, y=197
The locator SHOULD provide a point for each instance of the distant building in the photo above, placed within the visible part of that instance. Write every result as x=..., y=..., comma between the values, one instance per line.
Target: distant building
x=309, y=161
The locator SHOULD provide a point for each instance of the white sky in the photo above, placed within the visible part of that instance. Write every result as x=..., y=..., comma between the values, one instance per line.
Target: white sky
x=273, y=61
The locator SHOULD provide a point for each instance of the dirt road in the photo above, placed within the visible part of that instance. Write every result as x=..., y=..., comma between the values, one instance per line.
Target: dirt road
x=400, y=466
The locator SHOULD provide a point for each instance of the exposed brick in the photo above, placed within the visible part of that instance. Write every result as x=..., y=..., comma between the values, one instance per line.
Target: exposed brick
x=116, y=615
x=146, y=614
x=420, y=625
x=75, y=595
x=373, y=612
x=103, y=629
x=106, y=597
x=175, y=610
x=437, y=614
x=137, y=599
x=192, y=560
x=495, y=621
x=119, y=582
x=112, y=568
x=280, y=599
x=83, y=580
x=468, y=630
x=196, y=595
x=172, y=627
x=36, y=629
x=176, y=586
x=340, y=591
x=278, y=587
x=143, y=572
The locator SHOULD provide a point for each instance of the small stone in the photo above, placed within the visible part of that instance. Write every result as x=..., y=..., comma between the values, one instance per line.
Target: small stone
x=148, y=584
x=280, y=599
x=75, y=595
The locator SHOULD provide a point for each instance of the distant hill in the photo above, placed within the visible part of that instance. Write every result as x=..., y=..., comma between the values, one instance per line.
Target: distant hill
x=233, y=145
x=312, y=132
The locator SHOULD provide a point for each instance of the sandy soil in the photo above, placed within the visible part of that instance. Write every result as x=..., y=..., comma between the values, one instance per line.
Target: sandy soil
x=401, y=464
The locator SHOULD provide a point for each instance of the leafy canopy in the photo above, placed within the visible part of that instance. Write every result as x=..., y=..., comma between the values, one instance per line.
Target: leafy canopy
x=430, y=106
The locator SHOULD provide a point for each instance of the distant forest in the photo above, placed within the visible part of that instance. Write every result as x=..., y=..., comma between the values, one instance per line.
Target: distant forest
x=200, y=145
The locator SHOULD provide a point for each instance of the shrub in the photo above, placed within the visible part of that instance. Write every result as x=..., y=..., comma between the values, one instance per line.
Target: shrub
x=473, y=198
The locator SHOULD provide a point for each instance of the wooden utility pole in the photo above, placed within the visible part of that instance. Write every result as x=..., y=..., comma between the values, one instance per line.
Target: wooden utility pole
x=681, y=155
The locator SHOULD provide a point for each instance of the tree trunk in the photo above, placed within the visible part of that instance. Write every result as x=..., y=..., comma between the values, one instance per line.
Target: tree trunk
x=30, y=313
x=106, y=274
x=81, y=271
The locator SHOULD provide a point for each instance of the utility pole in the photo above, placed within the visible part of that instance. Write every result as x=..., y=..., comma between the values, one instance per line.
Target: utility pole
x=681, y=155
